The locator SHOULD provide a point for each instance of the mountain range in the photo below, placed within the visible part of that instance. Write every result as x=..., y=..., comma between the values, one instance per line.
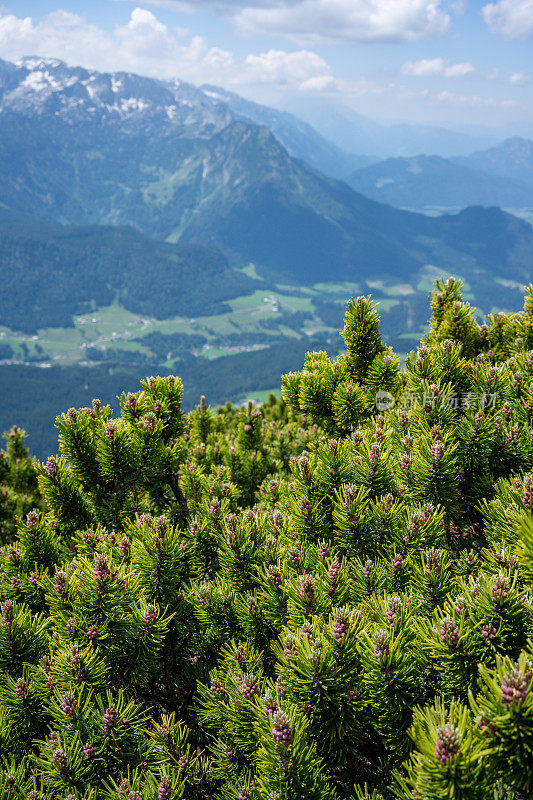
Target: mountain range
x=78, y=147
x=355, y=133
x=500, y=176
x=512, y=159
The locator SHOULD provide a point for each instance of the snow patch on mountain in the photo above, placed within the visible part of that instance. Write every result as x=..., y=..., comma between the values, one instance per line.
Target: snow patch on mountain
x=36, y=85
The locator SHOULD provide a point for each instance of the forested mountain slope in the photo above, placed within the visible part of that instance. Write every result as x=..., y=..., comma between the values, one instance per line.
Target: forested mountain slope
x=81, y=147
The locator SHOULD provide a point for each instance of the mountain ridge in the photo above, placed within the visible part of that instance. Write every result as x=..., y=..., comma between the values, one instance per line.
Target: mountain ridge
x=512, y=158
x=200, y=176
x=354, y=132
x=299, y=138
x=431, y=181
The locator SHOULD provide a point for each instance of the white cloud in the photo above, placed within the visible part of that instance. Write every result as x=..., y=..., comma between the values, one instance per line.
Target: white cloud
x=12, y=27
x=518, y=79
x=458, y=6
x=473, y=101
x=313, y=21
x=459, y=70
x=437, y=66
x=512, y=19
x=144, y=36
x=147, y=46
x=175, y=5
x=395, y=92
x=60, y=34
x=303, y=68
x=426, y=66
x=320, y=83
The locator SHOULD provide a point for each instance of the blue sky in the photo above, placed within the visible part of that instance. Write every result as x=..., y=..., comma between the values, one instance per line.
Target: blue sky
x=436, y=61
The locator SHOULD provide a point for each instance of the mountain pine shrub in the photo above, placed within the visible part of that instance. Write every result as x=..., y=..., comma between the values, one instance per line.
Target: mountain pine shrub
x=19, y=491
x=328, y=597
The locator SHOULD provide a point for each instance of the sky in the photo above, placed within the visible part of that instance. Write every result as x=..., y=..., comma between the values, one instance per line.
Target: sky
x=451, y=62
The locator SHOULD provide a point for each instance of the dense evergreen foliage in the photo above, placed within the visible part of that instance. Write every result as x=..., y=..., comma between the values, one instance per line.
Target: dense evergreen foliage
x=19, y=492
x=326, y=597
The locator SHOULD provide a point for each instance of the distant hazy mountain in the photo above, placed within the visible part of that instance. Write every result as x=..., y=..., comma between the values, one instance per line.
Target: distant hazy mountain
x=83, y=148
x=300, y=139
x=513, y=158
x=355, y=133
x=431, y=181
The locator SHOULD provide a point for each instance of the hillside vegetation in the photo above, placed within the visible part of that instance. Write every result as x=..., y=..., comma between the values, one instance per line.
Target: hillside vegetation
x=327, y=597
x=51, y=273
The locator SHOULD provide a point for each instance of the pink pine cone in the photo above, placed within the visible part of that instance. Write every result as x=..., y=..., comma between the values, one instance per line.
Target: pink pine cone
x=165, y=788
x=281, y=730
x=448, y=743
x=514, y=688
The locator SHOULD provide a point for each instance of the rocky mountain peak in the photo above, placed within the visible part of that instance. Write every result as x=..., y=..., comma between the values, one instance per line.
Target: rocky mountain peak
x=37, y=85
